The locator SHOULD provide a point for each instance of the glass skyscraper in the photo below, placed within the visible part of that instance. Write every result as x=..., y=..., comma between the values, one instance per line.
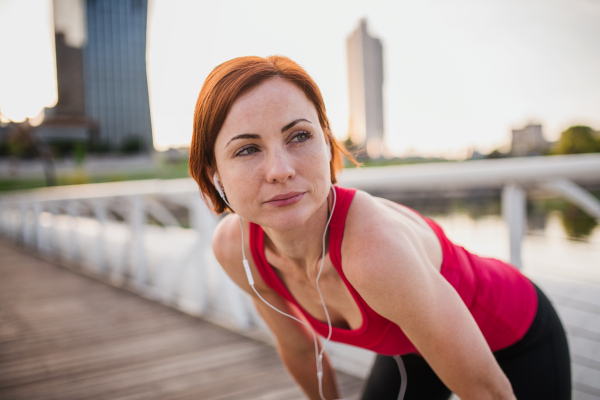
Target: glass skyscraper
x=114, y=65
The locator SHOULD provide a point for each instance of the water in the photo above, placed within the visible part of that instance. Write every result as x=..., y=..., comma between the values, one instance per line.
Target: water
x=559, y=240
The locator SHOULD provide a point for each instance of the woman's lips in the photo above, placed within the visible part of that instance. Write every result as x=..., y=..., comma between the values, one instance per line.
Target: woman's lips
x=286, y=199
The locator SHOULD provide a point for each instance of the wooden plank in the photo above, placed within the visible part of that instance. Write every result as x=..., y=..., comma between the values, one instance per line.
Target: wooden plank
x=95, y=357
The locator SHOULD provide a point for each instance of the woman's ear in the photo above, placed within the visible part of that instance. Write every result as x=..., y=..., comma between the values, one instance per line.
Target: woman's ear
x=211, y=174
x=217, y=183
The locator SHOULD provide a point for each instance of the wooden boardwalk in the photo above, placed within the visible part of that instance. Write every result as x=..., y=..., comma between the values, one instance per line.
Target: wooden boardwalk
x=66, y=336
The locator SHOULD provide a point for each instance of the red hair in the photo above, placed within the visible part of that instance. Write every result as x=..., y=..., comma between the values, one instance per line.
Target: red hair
x=221, y=88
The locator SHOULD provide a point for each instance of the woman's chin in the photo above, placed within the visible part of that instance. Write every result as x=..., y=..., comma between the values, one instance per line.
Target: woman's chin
x=285, y=220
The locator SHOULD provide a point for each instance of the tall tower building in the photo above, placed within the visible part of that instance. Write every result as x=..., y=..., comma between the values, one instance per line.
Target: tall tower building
x=115, y=80
x=101, y=73
x=365, y=83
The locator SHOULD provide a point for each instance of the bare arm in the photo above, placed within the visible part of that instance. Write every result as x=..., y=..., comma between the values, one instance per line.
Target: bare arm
x=389, y=267
x=295, y=345
x=295, y=342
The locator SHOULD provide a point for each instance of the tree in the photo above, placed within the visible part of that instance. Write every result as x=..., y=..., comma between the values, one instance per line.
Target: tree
x=40, y=148
x=576, y=140
x=496, y=154
x=132, y=145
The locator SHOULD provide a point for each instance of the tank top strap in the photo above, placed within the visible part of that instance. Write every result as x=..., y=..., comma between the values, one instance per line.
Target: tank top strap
x=342, y=204
x=257, y=245
x=336, y=226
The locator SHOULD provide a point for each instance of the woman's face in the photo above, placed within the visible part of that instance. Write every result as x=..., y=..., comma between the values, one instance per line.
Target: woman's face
x=272, y=157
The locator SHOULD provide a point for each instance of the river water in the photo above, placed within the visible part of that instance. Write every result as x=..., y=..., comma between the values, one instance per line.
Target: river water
x=557, y=242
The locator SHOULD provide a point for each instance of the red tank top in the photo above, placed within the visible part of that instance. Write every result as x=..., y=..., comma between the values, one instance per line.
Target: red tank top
x=502, y=301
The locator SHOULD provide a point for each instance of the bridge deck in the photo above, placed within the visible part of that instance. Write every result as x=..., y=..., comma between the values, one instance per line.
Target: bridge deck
x=66, y=336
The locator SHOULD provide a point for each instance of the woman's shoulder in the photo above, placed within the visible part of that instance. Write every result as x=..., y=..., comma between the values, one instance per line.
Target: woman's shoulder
x=226, y=233
x=380, y=218
x=379, y=232
x=227, y=246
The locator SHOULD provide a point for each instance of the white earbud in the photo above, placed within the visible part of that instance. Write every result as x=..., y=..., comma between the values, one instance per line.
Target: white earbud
x=218, y=186
x=220, y=189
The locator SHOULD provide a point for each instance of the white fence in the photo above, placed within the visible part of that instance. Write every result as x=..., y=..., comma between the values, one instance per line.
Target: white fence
x=103, y=229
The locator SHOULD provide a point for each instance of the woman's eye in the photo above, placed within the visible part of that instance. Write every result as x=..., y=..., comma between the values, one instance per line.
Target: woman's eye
x=247, y=151
x=301, y=137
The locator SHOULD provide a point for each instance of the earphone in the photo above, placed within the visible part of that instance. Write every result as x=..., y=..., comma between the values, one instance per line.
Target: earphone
x=220, y=189
x=319, y=355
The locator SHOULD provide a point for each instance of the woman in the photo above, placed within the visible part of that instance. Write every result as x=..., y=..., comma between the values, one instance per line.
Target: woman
x=390, y=282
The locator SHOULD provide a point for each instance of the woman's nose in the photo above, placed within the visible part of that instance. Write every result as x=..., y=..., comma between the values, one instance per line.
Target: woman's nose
x=279, y=167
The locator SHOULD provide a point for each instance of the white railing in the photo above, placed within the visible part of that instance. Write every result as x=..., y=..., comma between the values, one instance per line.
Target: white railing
x=103, y=229
x=558, y=175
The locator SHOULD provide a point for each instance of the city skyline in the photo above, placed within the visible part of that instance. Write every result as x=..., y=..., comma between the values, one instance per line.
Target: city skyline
x=457, y=76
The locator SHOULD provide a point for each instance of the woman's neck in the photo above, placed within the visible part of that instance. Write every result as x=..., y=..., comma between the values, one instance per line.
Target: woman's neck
x=303, y=246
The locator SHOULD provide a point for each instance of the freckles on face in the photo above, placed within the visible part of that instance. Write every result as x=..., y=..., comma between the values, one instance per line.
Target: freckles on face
x=271, y=144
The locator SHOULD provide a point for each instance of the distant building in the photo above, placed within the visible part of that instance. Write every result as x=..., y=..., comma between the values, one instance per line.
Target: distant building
x=67, y=121
x=476, y=155
x=101, y=74
x=365, y=83
x=528, y=141
x=116, y=83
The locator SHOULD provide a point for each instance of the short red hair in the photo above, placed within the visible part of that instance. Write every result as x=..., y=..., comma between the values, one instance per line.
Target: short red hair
x=221, y=88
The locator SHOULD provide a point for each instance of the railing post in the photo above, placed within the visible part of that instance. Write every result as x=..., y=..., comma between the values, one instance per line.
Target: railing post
x=37, y=210
x=53, y=238
x=514, y=212
x=137, y=222
x=4, y=230
x=23, y=211
x=72, y=247
x=101, y=214
x=203, y=223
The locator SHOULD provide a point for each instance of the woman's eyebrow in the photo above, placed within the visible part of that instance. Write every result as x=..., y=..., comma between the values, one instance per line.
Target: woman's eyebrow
x=256, y=136
x=294, y=122
x=243, y=136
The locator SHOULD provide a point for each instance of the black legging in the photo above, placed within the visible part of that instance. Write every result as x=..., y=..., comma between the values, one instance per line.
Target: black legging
x=538, y=366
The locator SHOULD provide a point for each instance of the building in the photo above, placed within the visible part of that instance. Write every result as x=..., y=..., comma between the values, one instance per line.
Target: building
x=101, y=74
x=365, y=86
x=115, y=79
x=528, y=141
x=67, y=121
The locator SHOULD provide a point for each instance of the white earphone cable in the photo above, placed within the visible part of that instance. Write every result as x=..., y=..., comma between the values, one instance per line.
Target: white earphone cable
x=321, y=295
x=403, y=379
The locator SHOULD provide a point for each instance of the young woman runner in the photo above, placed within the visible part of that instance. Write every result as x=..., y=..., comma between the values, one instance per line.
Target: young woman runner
x=356, y=268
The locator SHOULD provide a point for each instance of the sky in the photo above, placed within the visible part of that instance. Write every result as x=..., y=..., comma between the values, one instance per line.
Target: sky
x=458, y=75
